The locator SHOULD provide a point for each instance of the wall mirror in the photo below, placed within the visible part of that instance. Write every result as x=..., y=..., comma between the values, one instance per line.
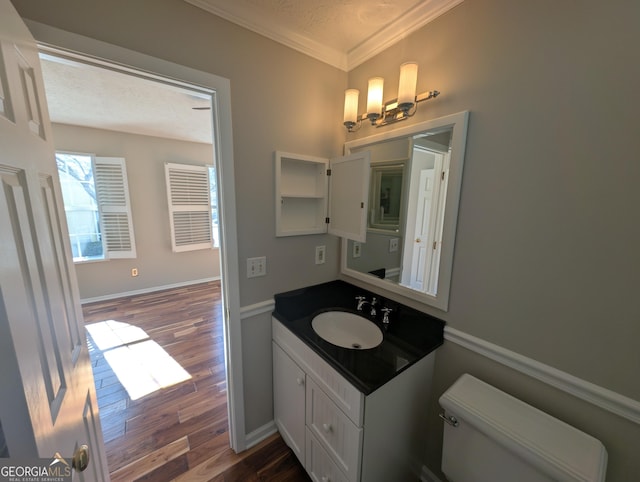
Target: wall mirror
x=415, y=181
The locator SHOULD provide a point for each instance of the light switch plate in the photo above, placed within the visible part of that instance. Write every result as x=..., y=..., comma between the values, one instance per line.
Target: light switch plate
x=320, y=254
x=256, y=267
x=393, y=245
x=357, y=249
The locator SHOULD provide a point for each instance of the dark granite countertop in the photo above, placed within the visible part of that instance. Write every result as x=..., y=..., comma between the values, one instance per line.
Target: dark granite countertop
x=410, y=336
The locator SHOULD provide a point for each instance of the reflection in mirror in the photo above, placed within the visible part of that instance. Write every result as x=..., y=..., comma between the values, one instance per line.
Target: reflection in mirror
x=416, y=174
x=385, y=199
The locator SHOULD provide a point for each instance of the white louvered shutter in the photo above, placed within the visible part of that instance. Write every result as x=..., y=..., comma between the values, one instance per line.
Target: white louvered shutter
x=112, y=190
x=189, y=207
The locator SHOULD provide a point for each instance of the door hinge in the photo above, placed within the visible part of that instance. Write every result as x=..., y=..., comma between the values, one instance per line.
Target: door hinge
x=361, y=205
x=326, y=220
x=442, y=177
x=435, y=244
x=328, y=172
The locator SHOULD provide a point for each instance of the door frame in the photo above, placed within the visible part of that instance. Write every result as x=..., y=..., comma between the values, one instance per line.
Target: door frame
x=61, y=43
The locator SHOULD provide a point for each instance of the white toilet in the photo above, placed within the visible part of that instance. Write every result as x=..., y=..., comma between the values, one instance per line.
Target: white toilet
x=490, y=436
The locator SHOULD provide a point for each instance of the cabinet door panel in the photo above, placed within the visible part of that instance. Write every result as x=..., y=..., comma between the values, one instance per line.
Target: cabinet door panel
x=349, y=196
x=319, y=465
x=339, y=436
x=289, y=401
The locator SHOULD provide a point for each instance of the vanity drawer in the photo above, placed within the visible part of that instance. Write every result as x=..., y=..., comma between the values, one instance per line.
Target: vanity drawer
x=334, y=430
x=319, y=465
x=348, y=398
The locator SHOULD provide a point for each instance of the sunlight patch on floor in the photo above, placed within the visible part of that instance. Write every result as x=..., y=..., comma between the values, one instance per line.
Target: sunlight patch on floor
x=109, y=334
x=141, y=365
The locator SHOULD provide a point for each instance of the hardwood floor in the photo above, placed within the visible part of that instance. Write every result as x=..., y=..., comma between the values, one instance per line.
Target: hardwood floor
x=179, y=432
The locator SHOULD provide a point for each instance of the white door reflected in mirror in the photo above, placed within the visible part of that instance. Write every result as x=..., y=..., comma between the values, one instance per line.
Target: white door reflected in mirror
x=431, y=155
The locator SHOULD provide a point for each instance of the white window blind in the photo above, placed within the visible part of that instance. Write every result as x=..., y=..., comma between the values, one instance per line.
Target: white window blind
x=112, y=191
x=189, y=207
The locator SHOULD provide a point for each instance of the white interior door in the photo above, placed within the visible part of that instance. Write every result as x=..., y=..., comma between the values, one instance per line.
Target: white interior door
x=433, y=269
x=422, y=230
x=48, y=404
x=423, y=241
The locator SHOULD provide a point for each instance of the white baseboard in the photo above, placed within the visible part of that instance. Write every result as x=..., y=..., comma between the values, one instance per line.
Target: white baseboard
x=606, y=399
x=392, y=273
x=147, y=290
x=260, y=434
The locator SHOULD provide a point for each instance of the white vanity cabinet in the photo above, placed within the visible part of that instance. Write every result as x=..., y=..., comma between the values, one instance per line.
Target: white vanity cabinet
x=348, y=436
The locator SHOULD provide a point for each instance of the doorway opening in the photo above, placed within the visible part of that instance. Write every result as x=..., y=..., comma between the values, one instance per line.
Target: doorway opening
x=201, y=102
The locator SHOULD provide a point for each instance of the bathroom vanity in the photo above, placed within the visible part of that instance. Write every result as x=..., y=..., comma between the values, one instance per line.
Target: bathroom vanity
x=353, y=414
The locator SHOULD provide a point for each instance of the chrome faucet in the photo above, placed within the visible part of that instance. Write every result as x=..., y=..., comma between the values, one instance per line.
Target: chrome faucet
x=385, y=317
x=362, y=301
x=374, y=302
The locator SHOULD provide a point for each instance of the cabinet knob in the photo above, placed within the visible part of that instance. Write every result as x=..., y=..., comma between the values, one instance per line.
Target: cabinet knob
x=327, y=427
x=300, y=381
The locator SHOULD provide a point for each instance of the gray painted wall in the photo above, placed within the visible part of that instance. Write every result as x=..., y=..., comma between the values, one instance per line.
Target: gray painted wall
x=546, y=260
x=157, y=264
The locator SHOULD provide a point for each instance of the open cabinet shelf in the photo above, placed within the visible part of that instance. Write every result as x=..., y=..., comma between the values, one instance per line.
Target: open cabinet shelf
x=301, y=194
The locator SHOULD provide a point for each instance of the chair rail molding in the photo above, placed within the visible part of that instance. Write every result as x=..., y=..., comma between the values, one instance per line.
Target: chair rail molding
x=604, y=398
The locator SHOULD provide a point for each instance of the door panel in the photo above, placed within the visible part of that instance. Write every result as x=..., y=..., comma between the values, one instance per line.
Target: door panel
x=60, y=278
x=52, y=406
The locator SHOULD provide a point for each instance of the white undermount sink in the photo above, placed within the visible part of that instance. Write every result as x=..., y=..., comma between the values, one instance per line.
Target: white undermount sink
x=347, y=330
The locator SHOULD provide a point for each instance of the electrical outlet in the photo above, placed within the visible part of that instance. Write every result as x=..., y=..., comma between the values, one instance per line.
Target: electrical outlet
x=256, y=267
x=393, y=245
x=357, y=249
x=320, y=254
x=134, y=272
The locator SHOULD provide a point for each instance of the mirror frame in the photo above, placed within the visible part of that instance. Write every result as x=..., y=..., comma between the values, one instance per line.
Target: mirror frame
x=459, y=123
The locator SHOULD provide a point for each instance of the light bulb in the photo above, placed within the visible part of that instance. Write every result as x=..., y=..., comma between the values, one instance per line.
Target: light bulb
x=407, y=87
x=374, y=98
x=351, y=107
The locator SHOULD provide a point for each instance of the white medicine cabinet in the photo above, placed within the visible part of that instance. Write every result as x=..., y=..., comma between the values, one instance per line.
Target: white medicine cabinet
x=316, y=195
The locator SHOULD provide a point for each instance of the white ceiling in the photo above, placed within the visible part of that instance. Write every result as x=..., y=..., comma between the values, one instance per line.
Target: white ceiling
x=342, y=33
x=91, y=96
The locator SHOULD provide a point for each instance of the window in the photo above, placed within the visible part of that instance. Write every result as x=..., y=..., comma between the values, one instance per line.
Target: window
x=193, y=210
x=96, y=203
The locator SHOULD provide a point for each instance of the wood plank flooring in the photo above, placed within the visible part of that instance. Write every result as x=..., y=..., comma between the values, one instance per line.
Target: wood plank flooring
x=179, y=432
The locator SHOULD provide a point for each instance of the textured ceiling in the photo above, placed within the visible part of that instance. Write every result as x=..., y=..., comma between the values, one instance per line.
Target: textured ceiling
x=84, y=95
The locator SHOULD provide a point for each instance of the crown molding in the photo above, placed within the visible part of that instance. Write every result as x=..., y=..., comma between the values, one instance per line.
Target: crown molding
x=414, y=19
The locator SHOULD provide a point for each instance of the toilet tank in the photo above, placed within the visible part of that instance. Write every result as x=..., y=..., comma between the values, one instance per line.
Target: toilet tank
x=500, y=438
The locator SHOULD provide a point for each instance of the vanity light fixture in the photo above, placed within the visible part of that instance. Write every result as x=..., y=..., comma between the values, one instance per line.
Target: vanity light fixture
x=379, y=113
